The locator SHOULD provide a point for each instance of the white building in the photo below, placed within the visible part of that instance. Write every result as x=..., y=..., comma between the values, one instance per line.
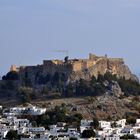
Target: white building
x=36, y=111
x=50, y=137
x=3, y=134
x=17, y=110
x=23, y=130
x=104, y=124
x=21, y=122
x=9, y=114
x=86, y=122
x=114, y=137
x=85, y=125
x=0, y=107
x=137, y=122
x=54, y=129
x=127, y=130
x=121, y=123
x=72, y=132
x=37, y=130
x=33, y=110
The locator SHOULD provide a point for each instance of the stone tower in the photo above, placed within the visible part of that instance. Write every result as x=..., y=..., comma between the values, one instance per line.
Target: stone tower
x=13, y=68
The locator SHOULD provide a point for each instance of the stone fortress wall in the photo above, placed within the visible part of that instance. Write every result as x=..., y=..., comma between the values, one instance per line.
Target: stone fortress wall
x=93, y=65
x=75, y=65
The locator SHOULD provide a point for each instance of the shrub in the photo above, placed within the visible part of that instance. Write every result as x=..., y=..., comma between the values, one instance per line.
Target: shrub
x=12, y=135
x=88, y=134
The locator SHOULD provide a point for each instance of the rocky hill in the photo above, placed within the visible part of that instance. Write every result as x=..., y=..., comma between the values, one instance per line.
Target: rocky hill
x=99, y=86
x=102, y=107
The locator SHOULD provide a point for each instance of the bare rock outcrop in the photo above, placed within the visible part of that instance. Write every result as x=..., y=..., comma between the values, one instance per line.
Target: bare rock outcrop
x=114, y=66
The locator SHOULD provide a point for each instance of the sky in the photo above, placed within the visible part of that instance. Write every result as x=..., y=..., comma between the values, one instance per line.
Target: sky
x=32, y=30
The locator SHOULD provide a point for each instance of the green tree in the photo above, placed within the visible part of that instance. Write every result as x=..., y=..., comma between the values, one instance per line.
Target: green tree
x=138, y=130
x=100, y=78
x=88, y=134
x=66, y=59
x=73, y=139
x=12, y=75
x=45, y=90
x=110, y=77
x=26, y=94
x=128, y=136
x=69, y=90
x=129, y=87
x=99, y=89
x=131, y=120
x=78, y=116
x=34, y=124
x=12, y=135
x=56, y=77
x=114, y=124
x=93, y=80
x=83, y=88
x=95, y=123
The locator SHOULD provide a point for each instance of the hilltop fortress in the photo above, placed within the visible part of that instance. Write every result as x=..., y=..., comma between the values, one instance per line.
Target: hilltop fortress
x=74, y=69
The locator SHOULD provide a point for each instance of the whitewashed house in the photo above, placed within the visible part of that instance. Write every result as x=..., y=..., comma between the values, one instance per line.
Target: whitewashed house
x=7, y=127
x=21, y=122
x=113, y=137
x=137, y=135
x=0, y=107
x=17, y=110
x=3, y=134
x=37, y=130
x=136, y=131
x=32, y=110
x=3, y=120
x=23, y=130
x=86, y=122
x=73, y=132
x=121, y=123
x=104, y=124
x=117, y=131
x=36, y=110
x=9, y=114
x=10, y=119
x=62, y=137
x=127, y=130
x=137, y=122
x=72, y=129
x=53, y=129
x=85, y=125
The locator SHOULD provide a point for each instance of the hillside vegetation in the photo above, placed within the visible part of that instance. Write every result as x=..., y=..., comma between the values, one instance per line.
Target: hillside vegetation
x=104, y=97
x=57, y=87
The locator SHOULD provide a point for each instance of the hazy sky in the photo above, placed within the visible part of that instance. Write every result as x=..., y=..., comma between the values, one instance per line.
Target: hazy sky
x=31, y=29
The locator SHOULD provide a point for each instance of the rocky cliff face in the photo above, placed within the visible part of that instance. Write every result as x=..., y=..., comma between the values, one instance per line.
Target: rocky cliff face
x=101, y=67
